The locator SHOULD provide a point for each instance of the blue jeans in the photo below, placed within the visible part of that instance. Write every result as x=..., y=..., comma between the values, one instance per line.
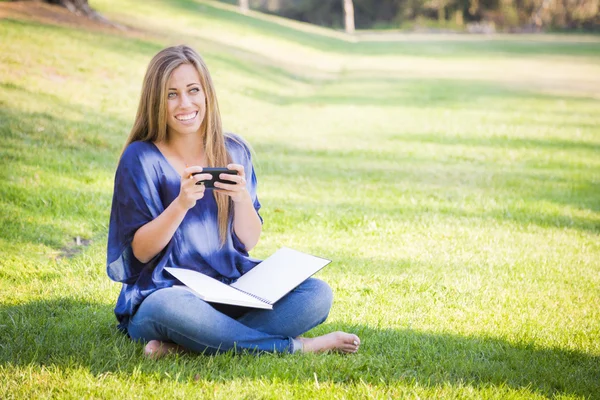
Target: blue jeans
x=177, y=315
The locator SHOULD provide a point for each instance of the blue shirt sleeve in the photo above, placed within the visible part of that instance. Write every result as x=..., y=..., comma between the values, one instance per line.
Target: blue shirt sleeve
x=136, y=202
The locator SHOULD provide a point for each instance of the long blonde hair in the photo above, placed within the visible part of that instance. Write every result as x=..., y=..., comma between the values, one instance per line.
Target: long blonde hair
x=151, y=119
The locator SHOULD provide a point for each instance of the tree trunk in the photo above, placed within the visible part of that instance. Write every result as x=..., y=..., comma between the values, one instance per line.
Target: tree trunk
x=473, y=7
x=349, y=16
x=441, y=12
x=244, y=6
x=81, y=7
x=538, y=17
x=458, y=18
x=274, y=6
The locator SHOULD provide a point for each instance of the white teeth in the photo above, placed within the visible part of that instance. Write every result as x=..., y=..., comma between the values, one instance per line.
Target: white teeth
x=186, y=117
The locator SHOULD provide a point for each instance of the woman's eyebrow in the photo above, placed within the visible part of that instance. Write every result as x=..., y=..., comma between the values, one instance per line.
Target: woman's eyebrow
x=188, y=85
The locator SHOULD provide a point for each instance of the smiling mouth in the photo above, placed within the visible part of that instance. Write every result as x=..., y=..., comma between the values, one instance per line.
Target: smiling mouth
x=186, y=117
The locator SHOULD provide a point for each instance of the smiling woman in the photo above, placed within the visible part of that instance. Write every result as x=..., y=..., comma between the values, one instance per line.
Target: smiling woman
x=161, y=217
x=187, y=102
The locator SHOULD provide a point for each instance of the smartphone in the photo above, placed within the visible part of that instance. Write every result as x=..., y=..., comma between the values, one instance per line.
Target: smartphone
x=215, y=172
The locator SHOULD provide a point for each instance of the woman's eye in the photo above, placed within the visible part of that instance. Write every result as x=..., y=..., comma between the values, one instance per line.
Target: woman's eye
x=172, y=95
x=194, y=90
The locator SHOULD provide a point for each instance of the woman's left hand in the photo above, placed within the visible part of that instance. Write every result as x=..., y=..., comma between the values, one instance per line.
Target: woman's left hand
x=237, y=188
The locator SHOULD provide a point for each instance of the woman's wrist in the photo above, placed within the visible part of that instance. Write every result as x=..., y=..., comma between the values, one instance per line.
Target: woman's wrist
x=243, y=197
x=182, y=204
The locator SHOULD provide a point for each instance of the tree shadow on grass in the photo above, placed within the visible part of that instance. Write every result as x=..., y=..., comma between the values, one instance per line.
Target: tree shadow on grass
x=517, y=143
x=66, y=333
x=417, y=92
x=519, y=192
x=113, y=41
x=53, y=169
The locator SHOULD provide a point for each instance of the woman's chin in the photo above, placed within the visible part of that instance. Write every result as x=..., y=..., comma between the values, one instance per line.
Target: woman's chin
x=185, y=130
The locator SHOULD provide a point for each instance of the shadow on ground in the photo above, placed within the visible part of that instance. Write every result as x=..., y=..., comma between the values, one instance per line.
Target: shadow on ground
x=66, y=332
x=525, y=195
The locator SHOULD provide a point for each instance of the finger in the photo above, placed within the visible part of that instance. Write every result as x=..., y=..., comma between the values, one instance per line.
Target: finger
x=190, y=170
x=227, y=187
x=193, y=190
x=237, y=179
x=198, y=178
x=237, y=167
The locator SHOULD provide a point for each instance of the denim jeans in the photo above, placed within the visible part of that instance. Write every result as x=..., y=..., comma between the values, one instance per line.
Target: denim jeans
x=177, y=315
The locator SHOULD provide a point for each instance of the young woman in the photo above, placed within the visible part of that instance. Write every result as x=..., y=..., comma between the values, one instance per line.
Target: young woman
x=161, y=217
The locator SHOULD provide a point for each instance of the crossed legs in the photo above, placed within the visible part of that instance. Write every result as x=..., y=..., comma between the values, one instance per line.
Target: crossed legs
x=175, y=319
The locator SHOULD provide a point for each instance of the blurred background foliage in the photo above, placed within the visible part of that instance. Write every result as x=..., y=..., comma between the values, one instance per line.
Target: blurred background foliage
x=476, y=16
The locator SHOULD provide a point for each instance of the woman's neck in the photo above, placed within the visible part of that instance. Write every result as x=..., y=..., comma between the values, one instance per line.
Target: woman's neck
x=189, y=149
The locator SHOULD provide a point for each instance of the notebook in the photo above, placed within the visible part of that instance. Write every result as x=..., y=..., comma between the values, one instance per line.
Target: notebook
x=262, y=286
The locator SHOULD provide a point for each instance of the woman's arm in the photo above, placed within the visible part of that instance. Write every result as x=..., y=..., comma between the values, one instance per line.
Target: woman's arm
x=151, y=238
x=246, y=222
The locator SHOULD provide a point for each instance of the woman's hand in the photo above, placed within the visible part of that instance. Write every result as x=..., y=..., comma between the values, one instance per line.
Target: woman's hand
x=237, y=188
x=152, y=238
x=189, y=192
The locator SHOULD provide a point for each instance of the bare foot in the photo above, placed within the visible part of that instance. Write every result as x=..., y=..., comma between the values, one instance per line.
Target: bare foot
x=336, y=341
x=157, y=349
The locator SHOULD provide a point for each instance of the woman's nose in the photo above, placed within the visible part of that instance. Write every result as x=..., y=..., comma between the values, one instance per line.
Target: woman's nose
x=185, y=101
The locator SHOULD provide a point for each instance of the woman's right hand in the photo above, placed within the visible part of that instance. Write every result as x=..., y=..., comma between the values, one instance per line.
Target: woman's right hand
x=151, y=239
x=189, y=192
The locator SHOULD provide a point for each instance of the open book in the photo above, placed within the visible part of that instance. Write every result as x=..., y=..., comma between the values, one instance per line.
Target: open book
x=260, y=287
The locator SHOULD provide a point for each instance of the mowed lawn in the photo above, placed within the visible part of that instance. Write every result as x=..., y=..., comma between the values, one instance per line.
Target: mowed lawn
x=453, y=180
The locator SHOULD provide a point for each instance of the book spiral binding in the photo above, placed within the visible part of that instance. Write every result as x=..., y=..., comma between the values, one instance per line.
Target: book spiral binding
x=256, y=297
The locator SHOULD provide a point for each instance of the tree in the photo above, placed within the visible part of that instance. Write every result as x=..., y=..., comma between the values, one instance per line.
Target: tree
x=349, y=16
x=81, y=7
x=244, y=7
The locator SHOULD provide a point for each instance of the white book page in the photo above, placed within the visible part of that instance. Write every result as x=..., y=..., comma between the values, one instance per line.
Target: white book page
x=279, y=274
x=212, y=290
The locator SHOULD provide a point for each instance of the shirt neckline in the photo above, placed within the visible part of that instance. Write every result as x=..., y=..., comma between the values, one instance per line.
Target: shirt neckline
x=166, y=160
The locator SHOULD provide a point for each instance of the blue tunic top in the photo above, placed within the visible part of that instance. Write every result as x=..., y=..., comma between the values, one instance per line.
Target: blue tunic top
x=145, y=184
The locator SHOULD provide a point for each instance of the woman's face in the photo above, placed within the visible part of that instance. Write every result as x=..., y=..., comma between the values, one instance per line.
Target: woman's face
x=186, y=103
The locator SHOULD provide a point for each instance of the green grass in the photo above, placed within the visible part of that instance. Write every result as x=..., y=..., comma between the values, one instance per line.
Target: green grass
x=454, y=181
